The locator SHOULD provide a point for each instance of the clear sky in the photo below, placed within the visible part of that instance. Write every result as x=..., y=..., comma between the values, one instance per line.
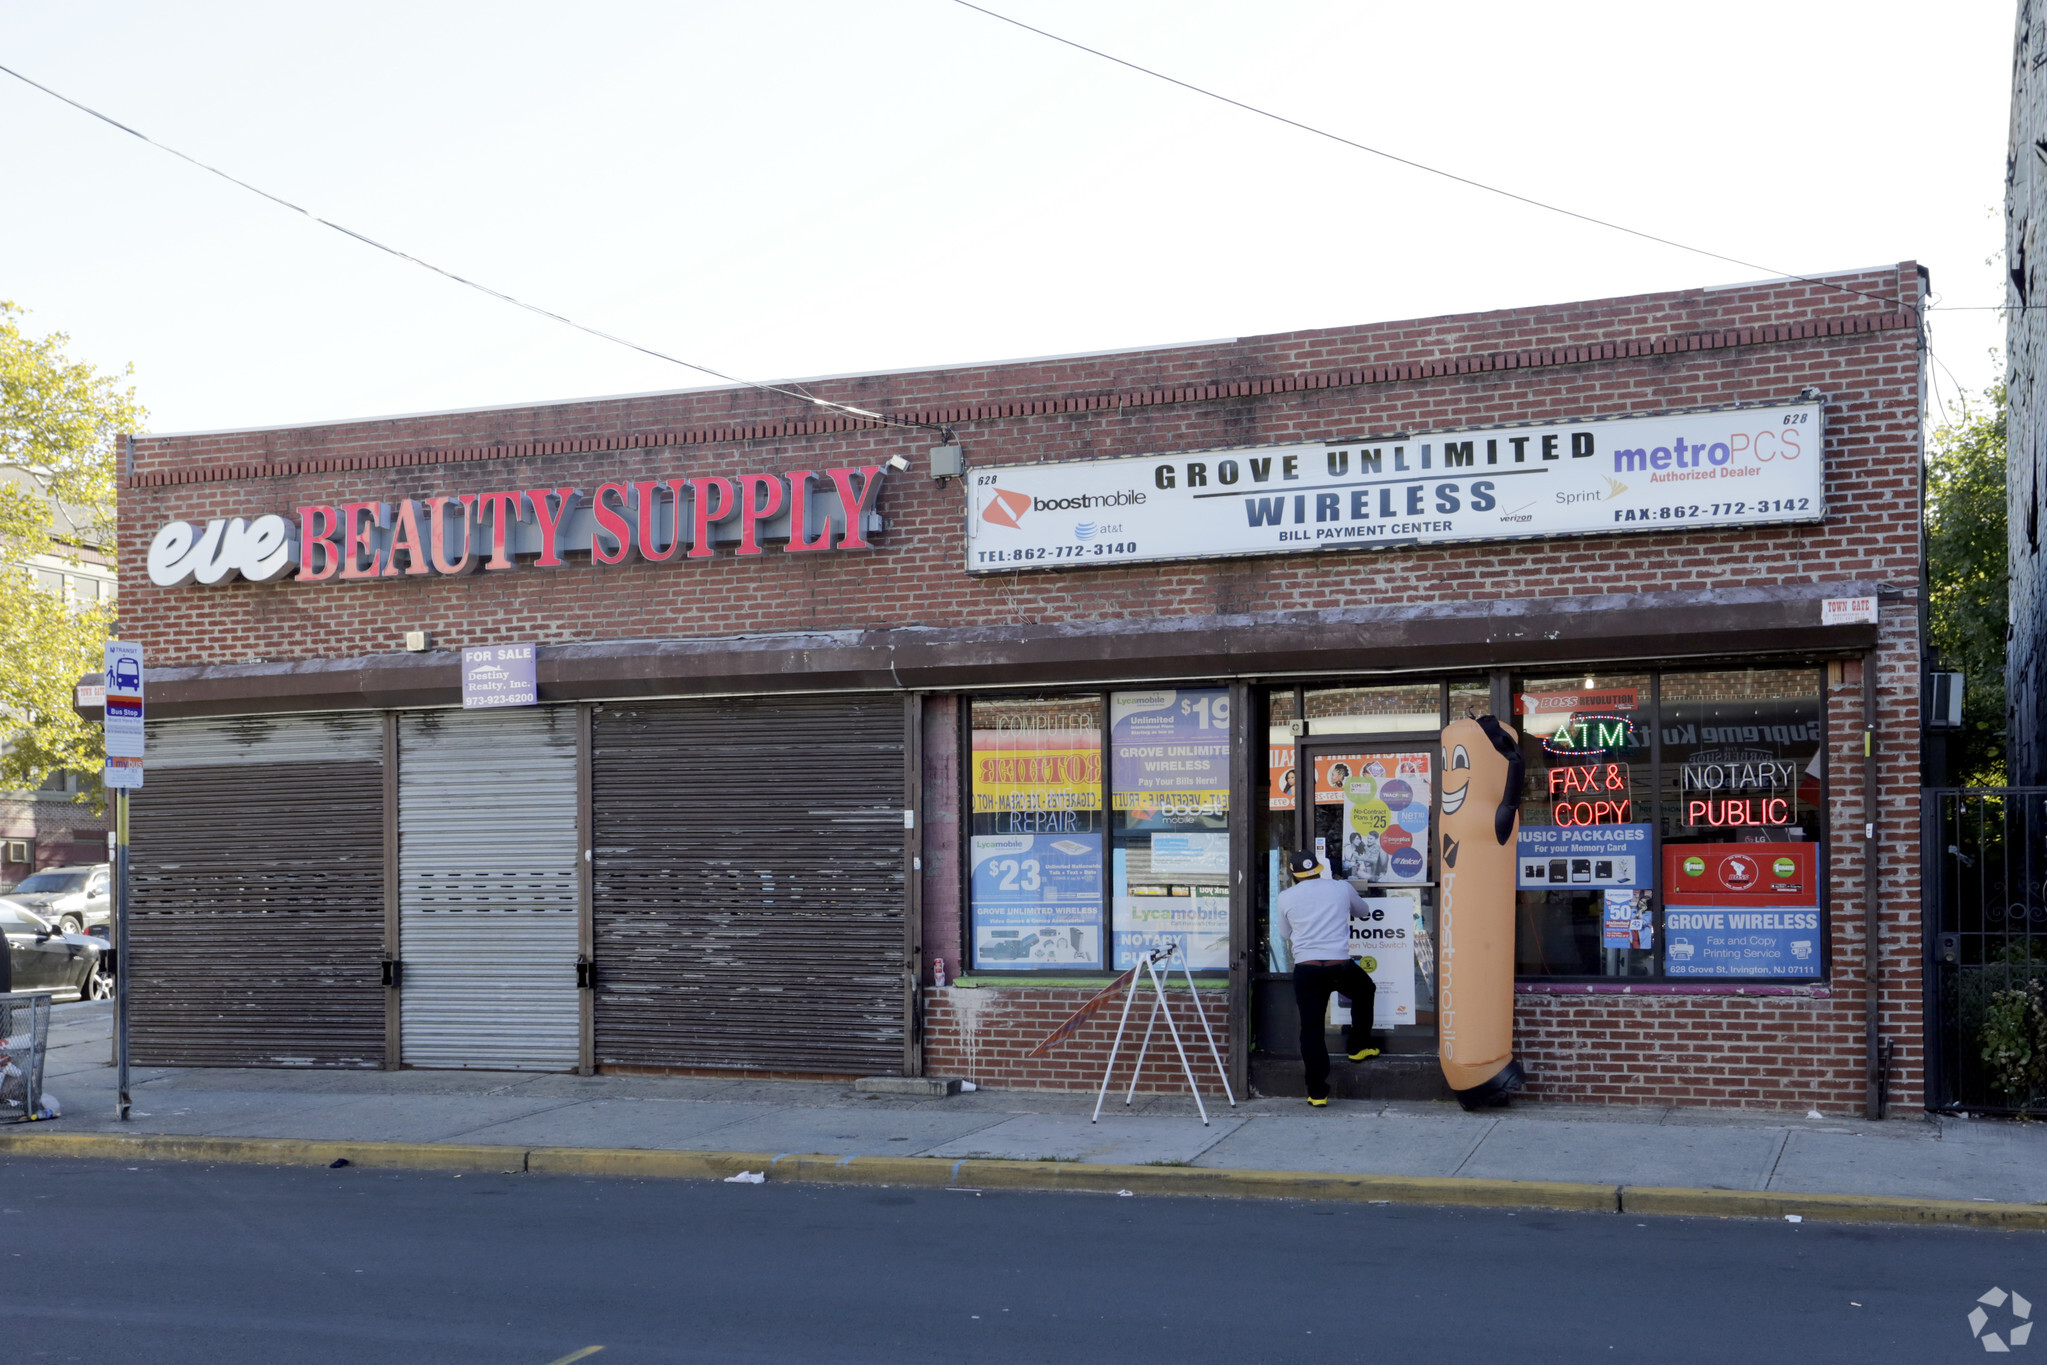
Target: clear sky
x=785, y=188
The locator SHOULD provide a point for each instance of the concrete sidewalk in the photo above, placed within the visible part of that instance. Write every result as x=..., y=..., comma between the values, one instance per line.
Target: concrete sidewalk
x=1623, y=1146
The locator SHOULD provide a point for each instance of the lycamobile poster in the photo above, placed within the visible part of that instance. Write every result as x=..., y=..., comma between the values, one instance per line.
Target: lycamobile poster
x=1170, y=753
x=1169, y=758
x=1037, y=900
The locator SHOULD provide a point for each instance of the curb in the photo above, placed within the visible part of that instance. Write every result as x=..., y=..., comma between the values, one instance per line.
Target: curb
x=1048, y=1176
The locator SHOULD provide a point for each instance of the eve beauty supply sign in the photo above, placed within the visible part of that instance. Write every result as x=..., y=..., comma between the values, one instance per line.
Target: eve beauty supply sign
x=659, y=520
x=1731, y=467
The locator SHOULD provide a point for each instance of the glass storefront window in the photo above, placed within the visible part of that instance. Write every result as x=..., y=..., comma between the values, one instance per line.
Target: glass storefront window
x=1375, y=710
x=1740, y=815
x=1035, y=880
x=1586, y=867
x=1470, y=697
x=1169, y=760
x=1672, y=825
x=1276, y=819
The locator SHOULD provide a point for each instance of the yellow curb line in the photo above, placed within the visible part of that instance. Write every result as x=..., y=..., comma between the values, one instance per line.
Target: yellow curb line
x=972, y=1173
x=1832, y=1208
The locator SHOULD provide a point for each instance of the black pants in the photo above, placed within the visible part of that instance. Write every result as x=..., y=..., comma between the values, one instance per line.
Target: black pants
x=1314, y=982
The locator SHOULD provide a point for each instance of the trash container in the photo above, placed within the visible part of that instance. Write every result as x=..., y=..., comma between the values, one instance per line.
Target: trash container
x=24, y=1036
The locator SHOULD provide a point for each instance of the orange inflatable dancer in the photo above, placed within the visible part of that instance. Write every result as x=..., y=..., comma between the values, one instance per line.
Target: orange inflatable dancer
x=1482, y=775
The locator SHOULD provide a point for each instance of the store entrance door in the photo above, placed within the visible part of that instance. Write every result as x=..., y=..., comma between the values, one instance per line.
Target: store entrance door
x=1372, y=820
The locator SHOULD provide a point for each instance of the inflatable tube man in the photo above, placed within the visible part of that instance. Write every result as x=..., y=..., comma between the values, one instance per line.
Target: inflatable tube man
x=1482, y=774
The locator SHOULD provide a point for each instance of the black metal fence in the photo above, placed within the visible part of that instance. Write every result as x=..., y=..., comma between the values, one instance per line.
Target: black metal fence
x=1985, y=880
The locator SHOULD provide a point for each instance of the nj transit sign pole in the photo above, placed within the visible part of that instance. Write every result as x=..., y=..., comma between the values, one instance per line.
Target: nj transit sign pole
x=124, y=743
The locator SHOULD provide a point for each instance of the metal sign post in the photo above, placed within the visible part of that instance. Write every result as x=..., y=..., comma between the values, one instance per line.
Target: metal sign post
x=120, y=880
x=124, y=744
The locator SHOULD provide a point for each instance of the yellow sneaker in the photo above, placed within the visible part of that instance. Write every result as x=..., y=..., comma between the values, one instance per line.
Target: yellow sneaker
x=1319, y=1104
x=1359, y=1056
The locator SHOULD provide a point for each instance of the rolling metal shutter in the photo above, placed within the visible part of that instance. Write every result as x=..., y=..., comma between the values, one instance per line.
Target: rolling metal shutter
x=750, y=889
x=487, y=889
x=257, y=871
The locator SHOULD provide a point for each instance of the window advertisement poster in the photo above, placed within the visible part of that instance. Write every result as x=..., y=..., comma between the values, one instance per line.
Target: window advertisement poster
x=1384, y=947
x=1741, y=910
x=1729, y=467
x=1027, y=772
x=1169, y=754
x=1279, y=764
x=1629, y=922
x=1149, y=915
x=1585, y=857
x=1387, y=802
x=1037, y=900
x=1206, y=851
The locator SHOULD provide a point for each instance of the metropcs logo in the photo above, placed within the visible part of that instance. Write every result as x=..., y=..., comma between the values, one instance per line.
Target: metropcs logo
x=1007, y=508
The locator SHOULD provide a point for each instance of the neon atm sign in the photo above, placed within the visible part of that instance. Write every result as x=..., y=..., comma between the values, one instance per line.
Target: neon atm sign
x=1592, y=733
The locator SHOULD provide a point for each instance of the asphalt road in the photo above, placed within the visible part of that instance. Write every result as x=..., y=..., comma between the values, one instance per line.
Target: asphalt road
x=172, y=1263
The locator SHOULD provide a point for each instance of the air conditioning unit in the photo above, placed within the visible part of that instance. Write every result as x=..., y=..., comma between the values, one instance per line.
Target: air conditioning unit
x=1943, y=701
x=20, y=851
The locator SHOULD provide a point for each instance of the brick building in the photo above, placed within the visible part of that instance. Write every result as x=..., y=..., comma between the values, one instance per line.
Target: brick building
x=825, y=727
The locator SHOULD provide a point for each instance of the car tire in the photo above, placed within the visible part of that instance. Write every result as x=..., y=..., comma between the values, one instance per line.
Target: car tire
x=98, y=983
x=71, y=924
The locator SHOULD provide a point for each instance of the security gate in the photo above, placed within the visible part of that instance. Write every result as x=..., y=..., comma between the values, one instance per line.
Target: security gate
x=258, y=884
x=487, y=889
x=1985, y=853
x=751, y=883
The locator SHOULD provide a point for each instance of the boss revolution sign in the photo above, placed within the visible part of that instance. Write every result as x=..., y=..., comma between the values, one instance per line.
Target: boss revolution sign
x=1735, y=467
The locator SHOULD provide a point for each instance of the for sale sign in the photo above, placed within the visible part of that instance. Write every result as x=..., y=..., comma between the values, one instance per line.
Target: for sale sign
x=499, y=675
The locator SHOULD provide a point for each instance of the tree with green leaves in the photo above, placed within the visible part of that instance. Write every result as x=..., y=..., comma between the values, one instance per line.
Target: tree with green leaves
x=58, y=421
x=1967, y=573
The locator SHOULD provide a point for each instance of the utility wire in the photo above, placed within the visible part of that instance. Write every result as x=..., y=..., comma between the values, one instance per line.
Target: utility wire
x=1419, y=166
x=462, y=280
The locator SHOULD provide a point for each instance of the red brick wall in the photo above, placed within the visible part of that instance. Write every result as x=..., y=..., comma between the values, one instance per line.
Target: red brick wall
x=985, y=1035
x=1759, y=343
x=1667, y=351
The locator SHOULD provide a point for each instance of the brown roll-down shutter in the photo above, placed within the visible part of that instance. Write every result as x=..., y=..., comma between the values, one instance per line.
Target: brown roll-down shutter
x=749, y=884
x=257, y=875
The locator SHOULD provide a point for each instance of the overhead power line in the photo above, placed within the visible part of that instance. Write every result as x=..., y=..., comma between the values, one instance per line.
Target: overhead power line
x=1427, y=169
x=478, y=286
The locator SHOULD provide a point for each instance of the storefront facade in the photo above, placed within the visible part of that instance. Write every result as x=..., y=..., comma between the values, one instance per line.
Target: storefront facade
x=811, y=730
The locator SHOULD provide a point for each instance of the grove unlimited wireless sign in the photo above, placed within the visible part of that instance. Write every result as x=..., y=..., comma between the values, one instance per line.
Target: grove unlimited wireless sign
x=657, y=520
x=1733, y=467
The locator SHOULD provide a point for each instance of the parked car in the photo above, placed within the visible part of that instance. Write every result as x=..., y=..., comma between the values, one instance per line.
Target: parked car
x=40, y=957
x=73, y=898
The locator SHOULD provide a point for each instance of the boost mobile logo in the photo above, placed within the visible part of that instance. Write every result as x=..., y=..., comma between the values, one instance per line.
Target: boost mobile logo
x=1006, y=509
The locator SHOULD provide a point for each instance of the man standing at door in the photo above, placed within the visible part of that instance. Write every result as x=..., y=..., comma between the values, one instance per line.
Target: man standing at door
x=1315, y=914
